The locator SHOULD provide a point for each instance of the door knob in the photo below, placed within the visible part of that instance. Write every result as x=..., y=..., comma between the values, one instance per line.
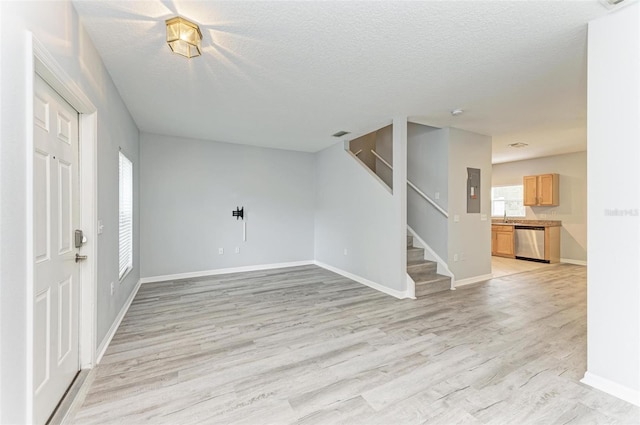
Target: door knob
x=80, y=257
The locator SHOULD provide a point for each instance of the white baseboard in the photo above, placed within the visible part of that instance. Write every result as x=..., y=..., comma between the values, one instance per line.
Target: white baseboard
x=78, y=399
x=393, y=292
x=205, y=273
x=474, y=279
x=620, y=391
x=116, y=323
x=430, y=254
x=576, y=262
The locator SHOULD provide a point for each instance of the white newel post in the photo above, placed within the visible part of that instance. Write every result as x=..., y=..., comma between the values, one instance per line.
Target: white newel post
x=400, y=192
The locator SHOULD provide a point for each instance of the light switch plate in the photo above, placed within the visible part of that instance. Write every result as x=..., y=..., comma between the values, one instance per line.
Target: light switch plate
x=456, y=218
x=483, y=217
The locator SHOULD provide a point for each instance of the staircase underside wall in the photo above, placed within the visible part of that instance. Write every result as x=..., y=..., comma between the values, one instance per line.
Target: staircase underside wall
x=355, y=220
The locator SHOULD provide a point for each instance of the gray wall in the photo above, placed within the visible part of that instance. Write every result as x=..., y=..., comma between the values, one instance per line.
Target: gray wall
x=428, y=169
x=573, y=196
x=111, y=138
x=189, y=189
x=57, y=27
x=355, y=212
x=470, y=238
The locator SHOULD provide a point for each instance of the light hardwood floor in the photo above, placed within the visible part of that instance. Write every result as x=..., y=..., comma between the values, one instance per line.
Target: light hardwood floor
x=501, y=266
x=306, y=346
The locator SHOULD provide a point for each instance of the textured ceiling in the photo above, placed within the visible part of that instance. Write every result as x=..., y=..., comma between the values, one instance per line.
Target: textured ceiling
x=290, y=74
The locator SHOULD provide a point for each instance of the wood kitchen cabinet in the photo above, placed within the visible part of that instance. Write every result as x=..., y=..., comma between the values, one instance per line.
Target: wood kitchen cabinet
x=502, y=241
x=552, y=244
x=542, y=190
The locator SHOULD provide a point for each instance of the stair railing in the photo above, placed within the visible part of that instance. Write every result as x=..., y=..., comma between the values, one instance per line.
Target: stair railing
x=414, y=187
x=381, y=159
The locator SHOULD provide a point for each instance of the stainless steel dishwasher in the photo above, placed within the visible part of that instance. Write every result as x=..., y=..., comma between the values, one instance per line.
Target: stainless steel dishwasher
x=530, y=243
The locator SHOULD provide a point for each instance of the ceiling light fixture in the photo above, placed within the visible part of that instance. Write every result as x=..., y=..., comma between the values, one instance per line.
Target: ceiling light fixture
x=518, y=145
x=457, y=112
x=183, y=37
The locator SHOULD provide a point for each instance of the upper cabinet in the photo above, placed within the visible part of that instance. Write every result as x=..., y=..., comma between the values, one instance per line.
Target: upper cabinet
x=542, y=190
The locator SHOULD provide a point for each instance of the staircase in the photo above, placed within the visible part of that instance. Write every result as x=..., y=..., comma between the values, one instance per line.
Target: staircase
x=423, y=272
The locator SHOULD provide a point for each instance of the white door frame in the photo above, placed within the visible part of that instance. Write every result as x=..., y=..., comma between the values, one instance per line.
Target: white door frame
x=40, y=61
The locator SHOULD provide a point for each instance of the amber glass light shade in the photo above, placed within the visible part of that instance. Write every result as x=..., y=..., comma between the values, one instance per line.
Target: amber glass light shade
x=184, y=37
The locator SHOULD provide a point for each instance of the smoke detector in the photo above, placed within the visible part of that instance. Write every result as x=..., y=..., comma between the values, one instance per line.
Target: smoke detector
x=457, y=112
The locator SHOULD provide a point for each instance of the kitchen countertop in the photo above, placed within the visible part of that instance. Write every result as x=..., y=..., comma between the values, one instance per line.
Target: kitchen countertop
x=515, y=221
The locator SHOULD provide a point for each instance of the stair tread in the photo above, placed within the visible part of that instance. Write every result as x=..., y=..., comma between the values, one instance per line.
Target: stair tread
x=423, y=275
x=427, y=276
x=415, y=255
x=429, y=288
x=432, y=279
x=424, y=272
x=417, y=263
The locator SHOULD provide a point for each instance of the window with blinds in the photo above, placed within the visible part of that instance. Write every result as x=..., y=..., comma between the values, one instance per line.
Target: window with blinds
x=125, y=216
x=507, y=201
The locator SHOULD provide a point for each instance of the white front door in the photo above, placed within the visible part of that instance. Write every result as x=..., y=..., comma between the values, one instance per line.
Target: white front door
x=56, y=273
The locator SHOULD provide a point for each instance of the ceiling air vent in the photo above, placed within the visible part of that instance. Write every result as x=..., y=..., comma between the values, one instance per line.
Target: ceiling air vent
x=610, y=4
x=340, y=133
x=518, y=145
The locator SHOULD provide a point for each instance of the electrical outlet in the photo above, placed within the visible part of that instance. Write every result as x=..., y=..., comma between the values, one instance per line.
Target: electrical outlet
x=220, y=251
x=456, y=218
x=237, y=250
x=455, y=257
x=113, y=288
x=346, y=251
x=437, y=195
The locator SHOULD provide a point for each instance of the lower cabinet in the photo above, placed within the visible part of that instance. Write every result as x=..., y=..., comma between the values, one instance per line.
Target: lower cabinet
x=502, y=243
x=552, y=244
